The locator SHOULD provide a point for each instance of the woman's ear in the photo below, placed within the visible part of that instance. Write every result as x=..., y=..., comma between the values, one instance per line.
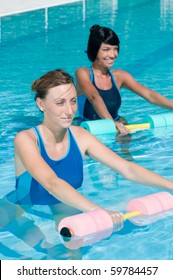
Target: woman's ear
x=40, y=104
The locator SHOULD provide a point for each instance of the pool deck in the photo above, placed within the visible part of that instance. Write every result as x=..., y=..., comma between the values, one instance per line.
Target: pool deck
x=10, y=7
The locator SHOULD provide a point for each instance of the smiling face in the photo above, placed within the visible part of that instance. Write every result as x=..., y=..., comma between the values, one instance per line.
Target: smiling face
x=106, y=55
x=59, y=106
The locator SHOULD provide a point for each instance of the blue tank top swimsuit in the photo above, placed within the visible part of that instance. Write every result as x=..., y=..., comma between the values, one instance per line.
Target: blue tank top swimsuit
x=68, y=168
x=111, y=97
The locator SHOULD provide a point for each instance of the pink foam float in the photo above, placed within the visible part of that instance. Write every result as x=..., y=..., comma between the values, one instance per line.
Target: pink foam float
x=86, y=228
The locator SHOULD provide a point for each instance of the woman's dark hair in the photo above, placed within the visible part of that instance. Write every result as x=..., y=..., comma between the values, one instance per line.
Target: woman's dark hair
x=49, y=80
x=99, y=35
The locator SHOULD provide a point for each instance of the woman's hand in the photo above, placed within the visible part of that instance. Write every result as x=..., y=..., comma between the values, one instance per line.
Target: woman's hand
x=117, y=217
x=121, y=128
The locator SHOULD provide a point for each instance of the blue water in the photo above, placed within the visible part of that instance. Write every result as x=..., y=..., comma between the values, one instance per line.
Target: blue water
x=29, y=47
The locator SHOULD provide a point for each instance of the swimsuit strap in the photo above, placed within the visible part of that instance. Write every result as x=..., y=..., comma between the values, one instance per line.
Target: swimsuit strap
x=38, y=136
x=91, y=74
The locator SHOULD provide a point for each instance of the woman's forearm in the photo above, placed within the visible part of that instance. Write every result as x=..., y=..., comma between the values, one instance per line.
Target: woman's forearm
x=161, y=101
x=68, y=195
x=100, y=108
x=144, y=176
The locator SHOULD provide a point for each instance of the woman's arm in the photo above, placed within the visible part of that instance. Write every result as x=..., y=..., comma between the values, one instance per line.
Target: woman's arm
x=129, y=170
x=127, y=81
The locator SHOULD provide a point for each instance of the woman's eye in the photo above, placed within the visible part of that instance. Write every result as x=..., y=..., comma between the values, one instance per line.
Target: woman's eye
x=60, y=103
x=74, y=101
x=107, y=49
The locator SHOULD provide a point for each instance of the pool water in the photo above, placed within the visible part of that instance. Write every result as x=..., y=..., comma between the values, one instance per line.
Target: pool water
x=30, y=46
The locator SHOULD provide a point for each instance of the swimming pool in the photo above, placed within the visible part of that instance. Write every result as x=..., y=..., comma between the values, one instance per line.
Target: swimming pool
x=28, y=48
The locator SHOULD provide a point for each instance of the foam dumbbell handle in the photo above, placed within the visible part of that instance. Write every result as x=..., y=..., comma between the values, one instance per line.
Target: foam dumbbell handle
x=135, y=127
x=132, y=214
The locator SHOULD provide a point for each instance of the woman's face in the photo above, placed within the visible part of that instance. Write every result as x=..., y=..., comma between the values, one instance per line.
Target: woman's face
x=107, y=54
x=60, y=105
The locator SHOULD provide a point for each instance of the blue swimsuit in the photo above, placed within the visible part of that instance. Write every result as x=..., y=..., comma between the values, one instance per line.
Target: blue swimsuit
x=111, y=97
x=68, y=168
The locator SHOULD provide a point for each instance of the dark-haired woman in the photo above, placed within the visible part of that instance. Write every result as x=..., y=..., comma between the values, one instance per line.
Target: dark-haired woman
x=98, y=87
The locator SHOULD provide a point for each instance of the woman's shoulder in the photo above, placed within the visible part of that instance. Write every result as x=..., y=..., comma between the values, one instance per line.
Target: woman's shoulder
x=83, y=138
x=23, y=135
x=121, y=76
x=79, y=132
x=82, y=71
x=118, y=72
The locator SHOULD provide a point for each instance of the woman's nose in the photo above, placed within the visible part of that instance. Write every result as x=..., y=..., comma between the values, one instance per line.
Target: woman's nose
x=113, y=53
x=69, y=109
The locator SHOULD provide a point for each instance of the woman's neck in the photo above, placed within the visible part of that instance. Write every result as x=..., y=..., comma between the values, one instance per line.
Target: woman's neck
x=52, y=134
x=99, y=70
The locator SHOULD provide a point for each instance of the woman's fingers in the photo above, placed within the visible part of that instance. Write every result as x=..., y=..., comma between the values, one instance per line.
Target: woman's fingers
x=121, y=128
